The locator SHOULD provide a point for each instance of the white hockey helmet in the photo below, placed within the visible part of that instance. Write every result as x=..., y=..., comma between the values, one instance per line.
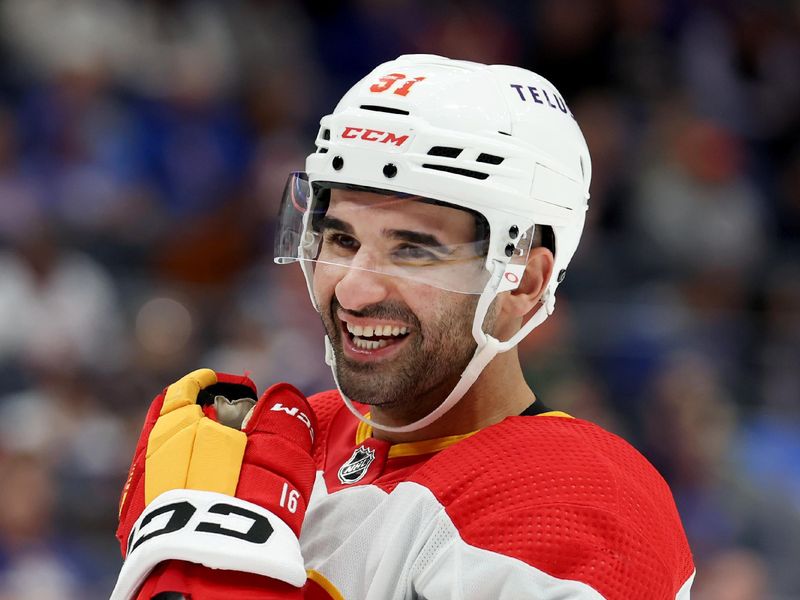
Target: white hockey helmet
x=494, y=139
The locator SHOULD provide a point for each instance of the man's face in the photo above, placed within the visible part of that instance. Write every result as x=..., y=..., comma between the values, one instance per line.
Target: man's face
x=399, y=343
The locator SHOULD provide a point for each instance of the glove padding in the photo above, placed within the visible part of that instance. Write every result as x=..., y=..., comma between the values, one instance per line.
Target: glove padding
x=266, y=470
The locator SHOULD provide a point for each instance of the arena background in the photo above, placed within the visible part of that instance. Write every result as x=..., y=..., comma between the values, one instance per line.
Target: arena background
x=143, y=149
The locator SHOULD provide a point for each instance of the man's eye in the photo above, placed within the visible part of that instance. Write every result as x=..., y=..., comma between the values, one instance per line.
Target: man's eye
x=341, y=240
x=415, y=253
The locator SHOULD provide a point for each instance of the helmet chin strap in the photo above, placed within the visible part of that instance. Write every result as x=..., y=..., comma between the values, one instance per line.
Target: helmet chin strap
x=488, y=348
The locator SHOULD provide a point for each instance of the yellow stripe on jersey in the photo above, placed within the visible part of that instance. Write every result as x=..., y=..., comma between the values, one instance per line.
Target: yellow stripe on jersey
x=323, y=582
x=426, y=446
x=555, y=413
x=364, y=431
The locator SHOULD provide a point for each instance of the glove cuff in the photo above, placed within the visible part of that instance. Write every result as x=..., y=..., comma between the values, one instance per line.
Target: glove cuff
x=215, y=530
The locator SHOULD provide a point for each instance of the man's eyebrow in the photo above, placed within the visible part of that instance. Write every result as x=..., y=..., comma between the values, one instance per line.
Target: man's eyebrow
x=327, y=222
x=404, y=235
x=417, y=237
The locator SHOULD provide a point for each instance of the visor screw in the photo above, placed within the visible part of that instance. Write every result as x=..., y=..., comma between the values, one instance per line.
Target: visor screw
x=513, y=232
x=509, y=250
x=562, y=275
x=338, y=163
x=389, y=170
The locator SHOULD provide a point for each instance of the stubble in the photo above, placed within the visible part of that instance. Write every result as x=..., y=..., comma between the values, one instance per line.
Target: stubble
x=413, y=383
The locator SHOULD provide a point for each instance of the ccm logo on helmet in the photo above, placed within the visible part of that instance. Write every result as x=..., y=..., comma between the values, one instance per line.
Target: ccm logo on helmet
x=374, y=135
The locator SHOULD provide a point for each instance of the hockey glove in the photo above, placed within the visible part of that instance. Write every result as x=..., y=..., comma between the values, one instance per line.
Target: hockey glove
x=210, y=511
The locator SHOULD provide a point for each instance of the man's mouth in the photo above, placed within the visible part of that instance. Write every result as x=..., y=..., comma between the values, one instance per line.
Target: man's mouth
x=368, y=340
x=372, y=337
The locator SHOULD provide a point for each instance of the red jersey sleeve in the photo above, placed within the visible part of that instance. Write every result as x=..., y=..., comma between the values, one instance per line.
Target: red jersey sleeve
x=570, y=500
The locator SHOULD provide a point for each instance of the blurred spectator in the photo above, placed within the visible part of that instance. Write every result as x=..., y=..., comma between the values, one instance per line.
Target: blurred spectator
x=696, y=210
x=21, y=193
x=780, y=351
x=267, y=330
x=691, y=426
x=739, y=64
x=735, y=574
x=58, y=307
x=35, y=560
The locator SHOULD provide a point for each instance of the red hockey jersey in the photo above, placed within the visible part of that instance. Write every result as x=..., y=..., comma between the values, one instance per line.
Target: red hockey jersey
x=545, y=506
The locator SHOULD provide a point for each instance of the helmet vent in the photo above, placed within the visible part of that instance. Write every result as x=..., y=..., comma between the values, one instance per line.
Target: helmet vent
x=490, y=158
x=386, y=109
x=325, y=134
x=445, y=151
x=457, y=171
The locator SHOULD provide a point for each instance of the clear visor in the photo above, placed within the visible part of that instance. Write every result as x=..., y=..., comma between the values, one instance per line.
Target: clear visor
x=397, y=235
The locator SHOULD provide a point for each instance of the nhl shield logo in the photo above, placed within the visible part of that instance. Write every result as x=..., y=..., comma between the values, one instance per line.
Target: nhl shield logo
x=356, y=466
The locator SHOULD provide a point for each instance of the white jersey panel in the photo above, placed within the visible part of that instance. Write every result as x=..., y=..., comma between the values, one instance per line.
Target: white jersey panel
x=451, y=569
x=403, y=545
x=363, y=540
x=686, y=589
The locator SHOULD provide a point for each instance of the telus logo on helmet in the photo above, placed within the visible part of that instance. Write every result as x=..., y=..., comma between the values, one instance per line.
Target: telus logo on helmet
x=374, y=135
x=536, y=95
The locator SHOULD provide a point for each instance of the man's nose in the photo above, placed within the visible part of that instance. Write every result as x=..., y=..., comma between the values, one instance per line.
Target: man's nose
x=360, y=288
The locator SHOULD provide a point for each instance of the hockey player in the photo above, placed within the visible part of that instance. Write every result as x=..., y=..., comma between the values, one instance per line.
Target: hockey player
x=433, y=224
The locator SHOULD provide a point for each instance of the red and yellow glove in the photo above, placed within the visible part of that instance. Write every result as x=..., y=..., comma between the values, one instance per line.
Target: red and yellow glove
x=210, y=511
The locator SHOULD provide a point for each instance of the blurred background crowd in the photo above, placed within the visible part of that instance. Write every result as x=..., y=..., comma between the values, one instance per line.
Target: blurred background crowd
x=143, y=150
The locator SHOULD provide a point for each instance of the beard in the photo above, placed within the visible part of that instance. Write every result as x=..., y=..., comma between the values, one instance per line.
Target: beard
x=418, y=379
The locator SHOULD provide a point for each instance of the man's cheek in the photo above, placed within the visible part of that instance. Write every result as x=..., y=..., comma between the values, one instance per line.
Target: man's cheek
x=322, y=289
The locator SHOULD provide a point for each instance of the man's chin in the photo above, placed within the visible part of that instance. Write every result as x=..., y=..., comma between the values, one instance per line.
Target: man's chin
x=374, y=383
x=371, y=395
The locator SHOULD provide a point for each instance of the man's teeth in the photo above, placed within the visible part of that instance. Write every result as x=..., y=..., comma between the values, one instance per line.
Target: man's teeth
x=369, y=344
x=360, y=333
x=376, y=330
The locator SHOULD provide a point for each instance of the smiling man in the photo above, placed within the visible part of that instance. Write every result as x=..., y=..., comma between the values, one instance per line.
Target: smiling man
x=399, y=343
x=433, y=224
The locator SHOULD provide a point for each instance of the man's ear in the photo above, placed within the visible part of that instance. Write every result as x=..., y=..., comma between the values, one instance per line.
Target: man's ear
x=522, y=300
